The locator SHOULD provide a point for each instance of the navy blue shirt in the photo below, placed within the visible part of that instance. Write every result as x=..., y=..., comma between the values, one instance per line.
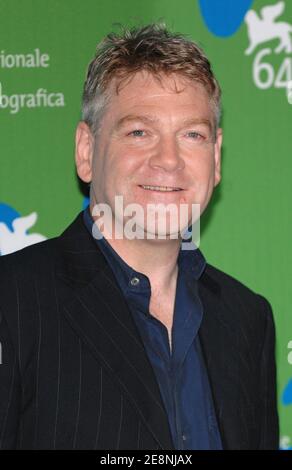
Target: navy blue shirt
x=180, y=373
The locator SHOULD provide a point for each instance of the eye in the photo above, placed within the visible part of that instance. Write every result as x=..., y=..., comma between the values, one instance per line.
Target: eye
x=194, y=135
x=137, y=133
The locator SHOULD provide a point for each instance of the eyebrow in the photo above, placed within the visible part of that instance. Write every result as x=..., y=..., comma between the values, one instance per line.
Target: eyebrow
x=191, y=122
x=133, y=117
x=146, y=119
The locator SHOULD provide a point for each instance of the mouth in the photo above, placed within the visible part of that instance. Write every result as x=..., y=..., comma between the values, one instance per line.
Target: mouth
x=163, y=189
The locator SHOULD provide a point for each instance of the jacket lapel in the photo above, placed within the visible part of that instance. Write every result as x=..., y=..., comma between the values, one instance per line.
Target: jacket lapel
x=219, y=339
x=96, y=309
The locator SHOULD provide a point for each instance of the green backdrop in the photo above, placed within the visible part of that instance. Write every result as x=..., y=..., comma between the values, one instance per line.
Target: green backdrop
x=247, y=229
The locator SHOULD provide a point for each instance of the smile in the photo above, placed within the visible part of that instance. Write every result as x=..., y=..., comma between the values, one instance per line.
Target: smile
x=160, y=188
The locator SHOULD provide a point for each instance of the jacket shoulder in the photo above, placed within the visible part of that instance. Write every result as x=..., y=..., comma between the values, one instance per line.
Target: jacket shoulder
x=244, y=304
x=29, y=260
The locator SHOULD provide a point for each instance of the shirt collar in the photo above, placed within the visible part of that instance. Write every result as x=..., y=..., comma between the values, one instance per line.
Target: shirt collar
x=191, y=262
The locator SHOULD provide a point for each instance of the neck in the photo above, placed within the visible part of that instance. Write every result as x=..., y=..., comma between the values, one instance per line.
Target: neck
x=156, y=258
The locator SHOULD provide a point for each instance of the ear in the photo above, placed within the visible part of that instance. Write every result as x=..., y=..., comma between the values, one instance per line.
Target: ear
x=84, y=145
x=217, y=156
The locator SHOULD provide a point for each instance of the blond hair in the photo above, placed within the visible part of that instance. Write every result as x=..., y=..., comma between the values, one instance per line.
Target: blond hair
x=152, y=48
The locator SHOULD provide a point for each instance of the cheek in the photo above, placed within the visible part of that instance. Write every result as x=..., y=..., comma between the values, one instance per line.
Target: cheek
x=117, y=176
x=202, y=169
x=124, y=164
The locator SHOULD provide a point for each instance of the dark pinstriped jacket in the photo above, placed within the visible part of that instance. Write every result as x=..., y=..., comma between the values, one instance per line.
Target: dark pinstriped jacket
x=74, y=371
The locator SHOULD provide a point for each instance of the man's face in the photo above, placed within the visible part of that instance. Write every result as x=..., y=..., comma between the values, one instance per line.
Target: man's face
x=153, y=135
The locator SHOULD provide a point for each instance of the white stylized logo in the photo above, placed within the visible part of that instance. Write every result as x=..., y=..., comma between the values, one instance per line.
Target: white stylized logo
x=290, y=353
x=264, y=27
x=285, y=443
x=18, y=238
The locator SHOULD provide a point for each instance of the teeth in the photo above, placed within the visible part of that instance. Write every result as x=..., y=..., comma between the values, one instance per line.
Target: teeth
x=160, y=188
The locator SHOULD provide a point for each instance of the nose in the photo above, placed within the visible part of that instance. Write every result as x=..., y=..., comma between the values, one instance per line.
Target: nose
x=167, y=155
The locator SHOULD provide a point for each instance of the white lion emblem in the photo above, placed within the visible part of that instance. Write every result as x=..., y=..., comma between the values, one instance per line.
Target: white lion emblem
x=265, y=28
x=18, y=239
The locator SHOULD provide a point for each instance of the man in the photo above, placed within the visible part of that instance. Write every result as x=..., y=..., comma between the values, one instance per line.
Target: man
x=122, y=342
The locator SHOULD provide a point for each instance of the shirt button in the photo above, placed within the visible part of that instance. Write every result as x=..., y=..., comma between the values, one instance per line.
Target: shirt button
x=134, y=281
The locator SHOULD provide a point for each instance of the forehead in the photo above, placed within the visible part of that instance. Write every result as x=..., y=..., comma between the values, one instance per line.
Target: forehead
x=159, y=94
